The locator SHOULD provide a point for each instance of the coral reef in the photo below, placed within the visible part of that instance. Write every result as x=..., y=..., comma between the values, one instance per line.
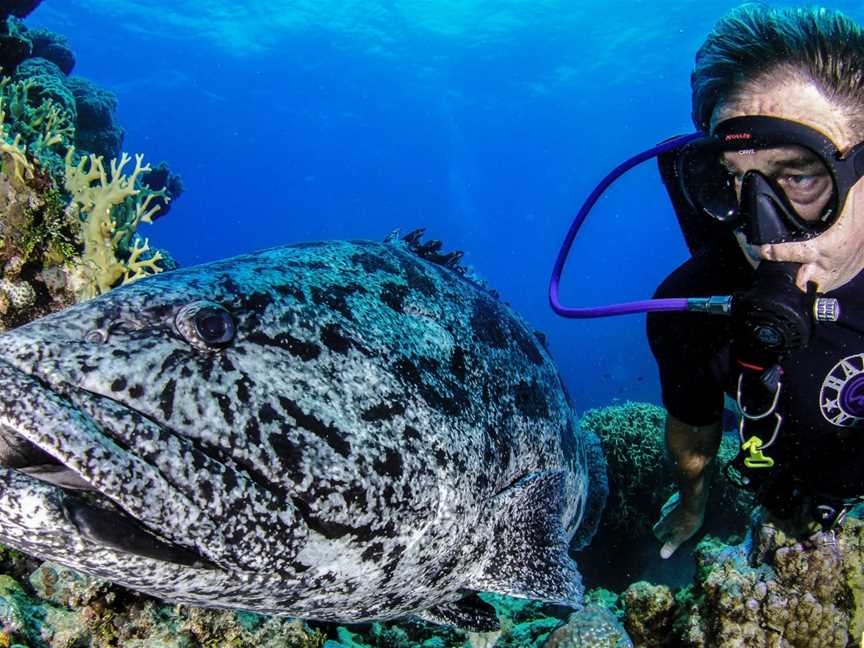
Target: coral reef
x=69, y=209
x=770, y=590
x=56, y=607
x=773, y=588
x=59, y=608
x=592, y=627
x=632, y=438
x=648, y=613
x=52, y=47
x=96, y=130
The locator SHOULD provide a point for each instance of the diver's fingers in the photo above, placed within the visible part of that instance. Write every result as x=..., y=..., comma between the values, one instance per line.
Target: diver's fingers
x=804, y=252
x=807, y=273
x=668, y=549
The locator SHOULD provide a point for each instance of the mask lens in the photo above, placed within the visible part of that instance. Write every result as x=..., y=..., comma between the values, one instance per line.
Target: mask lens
x=802, y=177
x=711, y=179
x=708, y=183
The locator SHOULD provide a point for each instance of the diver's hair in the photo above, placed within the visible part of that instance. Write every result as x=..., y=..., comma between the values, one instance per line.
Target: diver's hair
x=753, y=43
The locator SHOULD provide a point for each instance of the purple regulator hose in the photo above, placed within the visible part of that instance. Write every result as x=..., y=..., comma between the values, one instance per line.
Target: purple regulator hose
x=644, y=306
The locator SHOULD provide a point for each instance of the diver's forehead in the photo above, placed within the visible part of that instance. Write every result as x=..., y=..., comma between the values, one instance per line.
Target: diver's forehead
x=793, y=99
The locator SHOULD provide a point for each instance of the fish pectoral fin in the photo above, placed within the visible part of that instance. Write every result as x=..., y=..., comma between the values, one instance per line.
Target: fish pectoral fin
x=528, y=558
x=470, y=613
x=121, y=533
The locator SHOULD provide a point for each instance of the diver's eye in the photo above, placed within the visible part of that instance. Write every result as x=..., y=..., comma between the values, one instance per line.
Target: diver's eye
x=205, y=325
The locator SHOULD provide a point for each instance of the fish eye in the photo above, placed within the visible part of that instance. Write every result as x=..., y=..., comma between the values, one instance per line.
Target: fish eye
x=205, y=325
x=96, y=336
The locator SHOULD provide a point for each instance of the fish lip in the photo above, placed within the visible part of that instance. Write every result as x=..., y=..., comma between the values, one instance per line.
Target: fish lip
x=22, y=452
x=85, y=504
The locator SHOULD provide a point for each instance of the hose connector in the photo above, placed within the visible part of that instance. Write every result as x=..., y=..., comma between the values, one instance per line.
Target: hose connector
x=717, y=305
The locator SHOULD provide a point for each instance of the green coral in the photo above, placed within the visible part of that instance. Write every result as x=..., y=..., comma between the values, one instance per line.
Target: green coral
x=47, y=233
x=35, y=118
x=631, y=437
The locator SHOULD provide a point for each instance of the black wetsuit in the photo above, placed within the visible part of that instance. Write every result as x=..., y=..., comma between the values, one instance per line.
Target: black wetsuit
x=821, y=440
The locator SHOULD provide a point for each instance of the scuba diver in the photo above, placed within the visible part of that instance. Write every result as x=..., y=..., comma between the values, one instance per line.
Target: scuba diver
x=769, y=198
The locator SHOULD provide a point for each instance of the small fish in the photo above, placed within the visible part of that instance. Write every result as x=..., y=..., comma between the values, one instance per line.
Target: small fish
x=341, y=431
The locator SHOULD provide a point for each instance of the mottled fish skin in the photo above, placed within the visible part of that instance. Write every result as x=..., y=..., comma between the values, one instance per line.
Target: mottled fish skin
x=365, y=447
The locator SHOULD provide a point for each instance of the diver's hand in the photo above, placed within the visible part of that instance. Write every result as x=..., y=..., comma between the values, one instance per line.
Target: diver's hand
x=831, y=259
x=679, y=521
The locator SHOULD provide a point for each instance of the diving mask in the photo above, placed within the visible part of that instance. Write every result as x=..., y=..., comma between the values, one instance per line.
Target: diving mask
x=774, y=179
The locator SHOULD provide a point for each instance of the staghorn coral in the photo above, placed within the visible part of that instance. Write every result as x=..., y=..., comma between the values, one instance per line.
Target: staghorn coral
x=39, y=111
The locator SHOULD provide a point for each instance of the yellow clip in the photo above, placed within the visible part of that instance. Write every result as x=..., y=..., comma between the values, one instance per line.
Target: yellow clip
x=756, y=458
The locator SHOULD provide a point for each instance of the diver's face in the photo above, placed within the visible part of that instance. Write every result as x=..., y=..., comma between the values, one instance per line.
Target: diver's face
x=837, y=255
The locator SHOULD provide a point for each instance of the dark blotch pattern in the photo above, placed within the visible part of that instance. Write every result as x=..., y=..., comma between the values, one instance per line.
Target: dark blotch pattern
x=287, y=290
x=383, y=411
x=531, y=401
x=333, y=339
x=267, y=414
x=457, y=363
x=417, y=276
x=298, y=348
x=372, y=263
x=394, y=295
x=525, y=343
x=411, y=374
x=391, y=465
x=335, y=297
x=225, y=407
x=289, y=453
x=486, y=323
x=166, y=398
x=334, y=437
x=257, y=301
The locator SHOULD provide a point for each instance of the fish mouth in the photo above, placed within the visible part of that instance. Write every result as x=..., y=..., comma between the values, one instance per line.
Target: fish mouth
x=53, y=450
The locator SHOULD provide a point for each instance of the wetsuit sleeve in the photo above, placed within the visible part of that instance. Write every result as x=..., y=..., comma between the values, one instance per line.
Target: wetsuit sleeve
x=691, y=349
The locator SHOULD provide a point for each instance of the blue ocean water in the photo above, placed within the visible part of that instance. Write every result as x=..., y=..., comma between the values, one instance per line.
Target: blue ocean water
x=485, y=121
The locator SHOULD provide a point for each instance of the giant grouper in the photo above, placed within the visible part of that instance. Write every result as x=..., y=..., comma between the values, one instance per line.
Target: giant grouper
x=342, y=431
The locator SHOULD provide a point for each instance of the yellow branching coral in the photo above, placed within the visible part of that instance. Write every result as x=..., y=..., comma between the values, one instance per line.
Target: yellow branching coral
x=97, y=195
x=13, y=151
